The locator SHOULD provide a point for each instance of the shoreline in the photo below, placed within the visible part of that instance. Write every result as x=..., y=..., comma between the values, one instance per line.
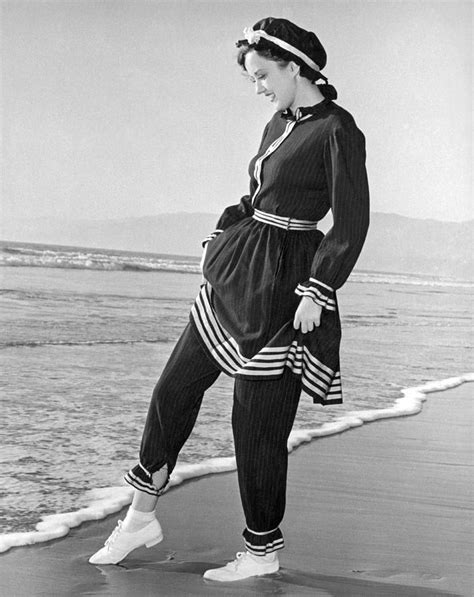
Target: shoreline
x=108, y=500
x=384, y=511
x=18, y=245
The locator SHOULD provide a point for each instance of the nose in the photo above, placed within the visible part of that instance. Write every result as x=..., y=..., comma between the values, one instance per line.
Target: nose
x=259, y=87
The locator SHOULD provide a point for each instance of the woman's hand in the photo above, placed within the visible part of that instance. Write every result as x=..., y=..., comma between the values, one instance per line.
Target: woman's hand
x=307, y=316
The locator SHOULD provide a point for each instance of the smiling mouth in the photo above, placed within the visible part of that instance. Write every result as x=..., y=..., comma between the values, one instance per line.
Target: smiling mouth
x=271, y=96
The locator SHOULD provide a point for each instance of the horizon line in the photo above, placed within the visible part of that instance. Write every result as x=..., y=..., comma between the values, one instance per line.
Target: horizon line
x=213, y=214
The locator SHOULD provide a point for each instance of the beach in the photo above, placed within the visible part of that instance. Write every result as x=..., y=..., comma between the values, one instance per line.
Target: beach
x=128, y=130
x=374, y=508
x=383, y=509
x=87, y=332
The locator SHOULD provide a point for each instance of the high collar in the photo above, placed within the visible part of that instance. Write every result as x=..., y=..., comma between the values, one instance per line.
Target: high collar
x=305, y=110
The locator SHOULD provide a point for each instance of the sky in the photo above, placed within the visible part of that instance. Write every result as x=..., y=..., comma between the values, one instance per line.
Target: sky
x=118, y=109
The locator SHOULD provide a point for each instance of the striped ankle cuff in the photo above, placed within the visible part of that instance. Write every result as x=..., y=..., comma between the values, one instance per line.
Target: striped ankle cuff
x=139, y=478
x=259, y=544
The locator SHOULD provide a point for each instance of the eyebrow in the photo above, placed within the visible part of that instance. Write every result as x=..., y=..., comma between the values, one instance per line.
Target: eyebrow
x=256, y=73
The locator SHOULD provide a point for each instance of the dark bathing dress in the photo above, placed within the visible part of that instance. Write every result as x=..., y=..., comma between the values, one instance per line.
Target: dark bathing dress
x=267, y=252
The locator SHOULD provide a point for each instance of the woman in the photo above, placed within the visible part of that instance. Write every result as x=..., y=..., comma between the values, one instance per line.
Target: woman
x=267, y=314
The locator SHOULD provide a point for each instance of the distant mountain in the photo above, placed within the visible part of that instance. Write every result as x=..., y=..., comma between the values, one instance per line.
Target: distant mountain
x=394, y=244
x=178, y=233
x=400, y=244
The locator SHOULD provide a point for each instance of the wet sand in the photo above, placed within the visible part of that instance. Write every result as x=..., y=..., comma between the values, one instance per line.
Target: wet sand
x=381, y=510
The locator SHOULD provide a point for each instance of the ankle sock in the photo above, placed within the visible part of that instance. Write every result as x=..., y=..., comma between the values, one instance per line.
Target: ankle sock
x=136, y=520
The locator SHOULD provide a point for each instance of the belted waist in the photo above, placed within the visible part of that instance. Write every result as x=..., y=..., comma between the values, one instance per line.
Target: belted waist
x=285, y=223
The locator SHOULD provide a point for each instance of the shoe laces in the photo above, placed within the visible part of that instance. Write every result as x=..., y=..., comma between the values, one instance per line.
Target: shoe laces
x=239, y=556
x=115, y=533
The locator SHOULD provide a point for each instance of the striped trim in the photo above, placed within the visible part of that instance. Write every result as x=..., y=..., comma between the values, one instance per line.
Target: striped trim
x=264, y=549
x=222, y=347
x=211, y=236
x=264, y=533
x=317, y=296
x=319, y=283
x=137, y=483
x=320, y=293
x=139, y=478
x=318, y=380
x=146, y=471
x=257, y=172
x=285, y=223
x=262, y=543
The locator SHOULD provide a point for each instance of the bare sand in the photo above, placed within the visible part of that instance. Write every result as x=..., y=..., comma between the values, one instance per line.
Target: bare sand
x=381, y=510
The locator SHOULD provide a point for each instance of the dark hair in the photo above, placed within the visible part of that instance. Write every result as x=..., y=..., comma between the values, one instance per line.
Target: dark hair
x=271, y=52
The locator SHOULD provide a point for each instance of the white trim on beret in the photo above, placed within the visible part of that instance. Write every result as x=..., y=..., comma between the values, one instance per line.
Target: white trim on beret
x=253, y=37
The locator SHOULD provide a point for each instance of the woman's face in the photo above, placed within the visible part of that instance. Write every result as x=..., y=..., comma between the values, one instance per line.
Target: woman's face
x=275, y=81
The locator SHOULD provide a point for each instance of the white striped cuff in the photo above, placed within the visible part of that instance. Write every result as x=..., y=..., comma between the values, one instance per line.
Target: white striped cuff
x=263, y=550
x=211, y=237
x=320, y=293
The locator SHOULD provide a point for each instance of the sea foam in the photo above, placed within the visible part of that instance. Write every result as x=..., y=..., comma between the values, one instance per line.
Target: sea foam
x=108, y=500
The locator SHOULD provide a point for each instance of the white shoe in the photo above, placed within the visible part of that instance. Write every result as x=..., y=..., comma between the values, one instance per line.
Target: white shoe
x=244, y=566
x=121, y=543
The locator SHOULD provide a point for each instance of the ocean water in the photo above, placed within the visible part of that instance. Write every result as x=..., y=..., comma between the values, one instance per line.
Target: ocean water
x=86, y=332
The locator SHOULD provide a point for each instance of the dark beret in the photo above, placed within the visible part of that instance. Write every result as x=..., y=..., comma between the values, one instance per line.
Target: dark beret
x=305, y=41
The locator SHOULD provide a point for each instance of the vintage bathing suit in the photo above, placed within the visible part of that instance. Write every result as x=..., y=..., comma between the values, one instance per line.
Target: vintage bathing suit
x=267, y=252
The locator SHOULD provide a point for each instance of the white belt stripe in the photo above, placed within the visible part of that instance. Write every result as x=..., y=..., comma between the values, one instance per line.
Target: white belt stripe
x=285, y=223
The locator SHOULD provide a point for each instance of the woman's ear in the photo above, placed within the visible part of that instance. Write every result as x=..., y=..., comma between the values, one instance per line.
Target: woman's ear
x=294, y=68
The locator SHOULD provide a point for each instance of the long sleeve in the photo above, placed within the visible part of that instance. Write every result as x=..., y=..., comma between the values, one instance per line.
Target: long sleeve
x=235, y=213
x=344, y=164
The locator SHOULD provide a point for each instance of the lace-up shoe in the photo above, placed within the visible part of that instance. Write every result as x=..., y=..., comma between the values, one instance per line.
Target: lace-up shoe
x=245, y=565
x=121, y=543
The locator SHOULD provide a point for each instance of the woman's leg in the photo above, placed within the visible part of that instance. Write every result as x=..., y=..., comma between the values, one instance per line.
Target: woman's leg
x=262, y=418
x=144, y=502
x=172, y=413
x=171, y=416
